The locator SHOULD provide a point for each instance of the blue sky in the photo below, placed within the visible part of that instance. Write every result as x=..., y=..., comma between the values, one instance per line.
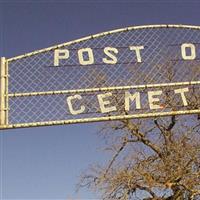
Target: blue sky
x=45, y=162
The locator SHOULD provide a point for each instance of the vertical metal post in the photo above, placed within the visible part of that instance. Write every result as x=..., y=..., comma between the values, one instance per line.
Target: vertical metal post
x=3, y=93
x=6, y=93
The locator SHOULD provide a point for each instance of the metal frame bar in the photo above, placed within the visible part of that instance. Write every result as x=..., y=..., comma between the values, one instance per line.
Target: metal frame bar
x=100, y=119
x=3, y=92
x=6, y=94
x=101, y=35
x=104, y=89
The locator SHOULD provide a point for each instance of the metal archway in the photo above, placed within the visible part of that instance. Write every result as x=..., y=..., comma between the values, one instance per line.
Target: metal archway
x=121, y=74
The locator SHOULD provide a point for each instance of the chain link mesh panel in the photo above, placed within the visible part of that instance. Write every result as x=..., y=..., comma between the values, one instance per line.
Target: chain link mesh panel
x=38, y=90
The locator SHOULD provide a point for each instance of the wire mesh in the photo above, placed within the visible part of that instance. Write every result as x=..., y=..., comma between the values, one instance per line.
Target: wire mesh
x=38, y=90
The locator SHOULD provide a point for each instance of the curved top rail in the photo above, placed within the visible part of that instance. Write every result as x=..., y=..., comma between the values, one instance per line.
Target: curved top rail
x=103, y=34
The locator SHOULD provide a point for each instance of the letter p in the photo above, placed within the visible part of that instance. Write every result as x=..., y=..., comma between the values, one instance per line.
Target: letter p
x=60, y=54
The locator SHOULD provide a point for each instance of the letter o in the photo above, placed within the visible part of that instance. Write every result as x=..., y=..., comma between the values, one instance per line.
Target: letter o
x=81, y=58
x=190, y=46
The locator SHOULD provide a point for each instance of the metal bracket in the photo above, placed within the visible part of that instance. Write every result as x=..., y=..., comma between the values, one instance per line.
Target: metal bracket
x=3, y=91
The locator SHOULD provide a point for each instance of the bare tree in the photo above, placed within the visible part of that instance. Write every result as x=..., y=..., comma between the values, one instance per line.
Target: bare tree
x=156, y=158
